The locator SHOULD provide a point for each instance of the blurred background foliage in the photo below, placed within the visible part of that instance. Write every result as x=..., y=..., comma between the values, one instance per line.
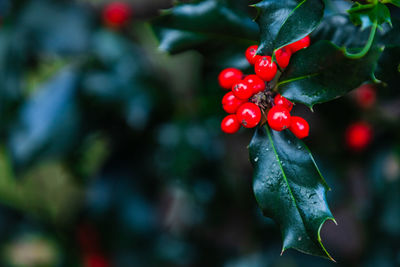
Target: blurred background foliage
x=111, y=152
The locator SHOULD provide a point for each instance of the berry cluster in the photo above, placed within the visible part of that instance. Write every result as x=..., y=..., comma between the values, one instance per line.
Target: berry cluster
x=250, y=96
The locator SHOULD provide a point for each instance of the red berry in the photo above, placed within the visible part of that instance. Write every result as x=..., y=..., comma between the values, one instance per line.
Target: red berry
x=365, y=95
x=265, y=68
x=249, y=115
x=242, y=90
x=116, y=14
x=251, y=54
x=228, y=77
x=281, y=100
x=358, y=136
x=279, y=118
x=231, y=103
x=300, y=44
x=282, y=56
x=299, y=127
x=230, y=124
x=96, y=260
x=257, y=85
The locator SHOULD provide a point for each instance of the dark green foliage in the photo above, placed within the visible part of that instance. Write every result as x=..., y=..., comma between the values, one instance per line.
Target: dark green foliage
x=290, y=189
x=322, y=73
x=102, y=131
x=284, y=22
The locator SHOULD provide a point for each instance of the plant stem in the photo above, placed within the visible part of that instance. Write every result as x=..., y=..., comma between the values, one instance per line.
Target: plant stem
x=367, y=46
x=360, y=8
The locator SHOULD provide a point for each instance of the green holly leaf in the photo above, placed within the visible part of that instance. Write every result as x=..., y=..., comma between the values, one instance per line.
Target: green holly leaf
x=341, y=31
x=49, y=124
x=394, y=2
x=190, y=25
x=392, y=37
x=284, y=22
x=366, y=15
x=290, y=189
x=322, y=73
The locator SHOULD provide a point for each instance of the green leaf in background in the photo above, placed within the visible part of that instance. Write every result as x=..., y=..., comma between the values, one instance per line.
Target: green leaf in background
x=62, y=28
x=49, y=123
x=367, y=15
x=188, y=25
x=388, y=70
x=284, y=22
x=290, y=189
x=341, y=31
x=322, y=73
x=394, y=2
x=392, y=37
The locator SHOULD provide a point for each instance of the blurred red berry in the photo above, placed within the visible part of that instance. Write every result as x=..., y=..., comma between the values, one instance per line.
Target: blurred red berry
x=242, y=90
x=251, y=54
x=358, y=136
x=96, y=260
x=279, y=118
x=249, y=115
x=282, y=56
x=117, y=14
x=299, y=127
x=281, y=100
x=365, y=95
x=87, y=238
x=257, y=85
x=265, y=68
x=300, y=44
x=230, y=124
x=228, y=77
x=231, y=103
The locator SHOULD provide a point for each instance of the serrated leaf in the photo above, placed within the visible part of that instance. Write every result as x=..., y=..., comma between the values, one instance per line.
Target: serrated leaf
x=322, y=73
x=392, y=36
x=290, y=189
x=284, y=22
x=367, y=15
x=341, y=31
x=189, y=25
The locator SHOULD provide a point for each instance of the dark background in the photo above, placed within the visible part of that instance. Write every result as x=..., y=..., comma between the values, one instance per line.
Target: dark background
x=111, y=153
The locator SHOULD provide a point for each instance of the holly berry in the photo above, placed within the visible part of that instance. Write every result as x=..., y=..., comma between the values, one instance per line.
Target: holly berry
x=358, y=136
x=257, y=85
x=242, y=90
x=230, y=124
x=365, y=96
x=282, y=56
x=278, y=118
x=251, y=54
x=117, y=14
x=249, y=115
x=280, y=100
x=228, y=77
x=300, y=44
x=96, y=260
x=231, y=103
x=265, y=68
x=299, y=127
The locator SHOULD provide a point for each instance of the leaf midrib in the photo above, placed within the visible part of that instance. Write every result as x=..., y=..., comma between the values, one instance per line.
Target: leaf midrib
x=290, y=14
x=299, y=78
x=284, y=176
